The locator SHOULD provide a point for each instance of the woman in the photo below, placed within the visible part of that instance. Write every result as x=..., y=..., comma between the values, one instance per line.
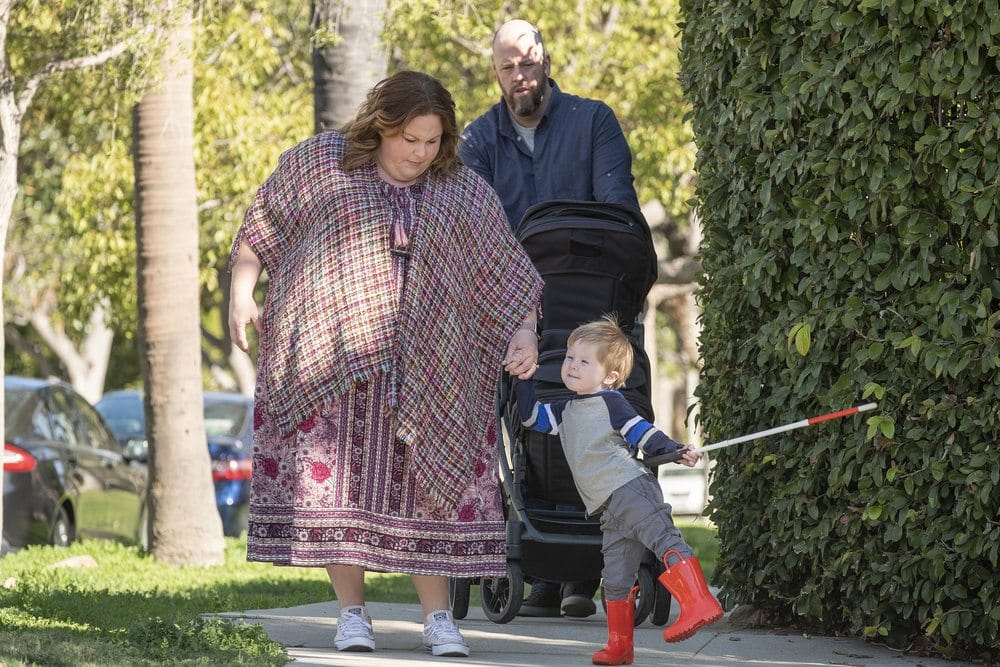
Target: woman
x=395, y=293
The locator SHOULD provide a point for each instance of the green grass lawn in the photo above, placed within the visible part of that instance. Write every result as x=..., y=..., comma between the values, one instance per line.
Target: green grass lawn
x=132, y=610
x=704, y=541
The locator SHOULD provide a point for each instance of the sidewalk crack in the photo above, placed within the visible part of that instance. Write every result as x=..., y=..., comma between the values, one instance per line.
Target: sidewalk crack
x=707, y=642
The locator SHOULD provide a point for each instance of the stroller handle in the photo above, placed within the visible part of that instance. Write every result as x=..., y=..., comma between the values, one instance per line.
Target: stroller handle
x=669, y=457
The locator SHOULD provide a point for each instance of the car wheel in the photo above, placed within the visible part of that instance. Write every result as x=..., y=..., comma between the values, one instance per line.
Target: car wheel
x=62, y=529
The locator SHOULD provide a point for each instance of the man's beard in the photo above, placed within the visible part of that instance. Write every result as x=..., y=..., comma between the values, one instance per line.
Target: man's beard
x=527, y=106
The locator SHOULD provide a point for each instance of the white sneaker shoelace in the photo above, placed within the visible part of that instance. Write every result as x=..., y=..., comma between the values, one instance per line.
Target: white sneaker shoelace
x=442, y=636
x=354, y=631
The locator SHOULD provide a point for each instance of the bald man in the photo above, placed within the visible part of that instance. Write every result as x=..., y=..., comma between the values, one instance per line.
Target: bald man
x=538, y=143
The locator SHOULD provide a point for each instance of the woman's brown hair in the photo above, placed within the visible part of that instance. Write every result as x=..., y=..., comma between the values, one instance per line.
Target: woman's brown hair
x=390, y=105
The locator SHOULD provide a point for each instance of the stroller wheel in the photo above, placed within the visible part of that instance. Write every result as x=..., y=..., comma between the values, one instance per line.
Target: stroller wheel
x=662, y=599
x=458, y=596
x=501, y=596
x=644, y=601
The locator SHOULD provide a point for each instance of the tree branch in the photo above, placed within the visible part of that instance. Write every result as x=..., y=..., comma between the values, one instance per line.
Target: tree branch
x=54, y=337
x=16, y=339
x=35, y=81
x=611, y=22
x=213, y=340
x=4, y=21
x=471, y=46
x=678, y=270
x=658, y=292
x=226, y=43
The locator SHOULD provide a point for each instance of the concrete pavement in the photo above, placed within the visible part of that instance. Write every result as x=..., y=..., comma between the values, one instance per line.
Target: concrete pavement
x=307, y=632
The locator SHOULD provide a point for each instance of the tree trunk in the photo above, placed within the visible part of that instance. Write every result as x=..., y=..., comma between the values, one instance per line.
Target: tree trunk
x=10, y=139
x=184, y=525
x=346, y=69
x=10, y=142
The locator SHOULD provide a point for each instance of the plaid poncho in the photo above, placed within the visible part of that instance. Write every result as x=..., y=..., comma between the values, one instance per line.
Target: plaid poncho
x=331, y=317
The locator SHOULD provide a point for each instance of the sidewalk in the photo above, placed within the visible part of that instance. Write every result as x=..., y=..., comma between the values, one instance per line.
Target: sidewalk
x=307, y=632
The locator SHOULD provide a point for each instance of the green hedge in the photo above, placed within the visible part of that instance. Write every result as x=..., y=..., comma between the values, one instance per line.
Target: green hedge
x=848, y=169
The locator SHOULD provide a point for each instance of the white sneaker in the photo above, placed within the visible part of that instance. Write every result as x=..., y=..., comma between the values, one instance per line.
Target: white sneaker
x=354, y=630
x=442, y=637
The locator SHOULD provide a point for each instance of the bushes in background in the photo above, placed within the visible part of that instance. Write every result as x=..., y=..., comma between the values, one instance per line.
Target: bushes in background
x=848, y=187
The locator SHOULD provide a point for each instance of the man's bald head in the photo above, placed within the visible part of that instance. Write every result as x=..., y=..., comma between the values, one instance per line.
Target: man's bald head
x=518, y=33
x=522, y=69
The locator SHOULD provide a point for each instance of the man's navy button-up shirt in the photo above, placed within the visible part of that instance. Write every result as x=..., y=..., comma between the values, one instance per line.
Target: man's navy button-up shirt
x=580, y=153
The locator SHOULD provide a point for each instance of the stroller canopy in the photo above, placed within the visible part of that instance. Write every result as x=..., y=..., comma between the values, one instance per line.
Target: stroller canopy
x=595, y=258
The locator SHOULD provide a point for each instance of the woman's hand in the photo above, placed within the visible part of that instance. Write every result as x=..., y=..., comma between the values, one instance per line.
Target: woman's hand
x=522, y=354
x=242, y=308
x=242, y=311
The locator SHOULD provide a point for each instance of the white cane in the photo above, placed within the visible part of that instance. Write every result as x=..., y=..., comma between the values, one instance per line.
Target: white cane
x=677, y=455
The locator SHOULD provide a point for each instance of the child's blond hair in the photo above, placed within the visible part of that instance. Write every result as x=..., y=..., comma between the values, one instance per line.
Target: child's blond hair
x=614, y=350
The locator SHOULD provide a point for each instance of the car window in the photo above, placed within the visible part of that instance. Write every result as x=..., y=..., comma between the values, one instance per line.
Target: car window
x=62, y=417
x=91, y=428
x=41, y=426
x=16, y=403
x=225, y=418
x=12, y=400
x=125, y=417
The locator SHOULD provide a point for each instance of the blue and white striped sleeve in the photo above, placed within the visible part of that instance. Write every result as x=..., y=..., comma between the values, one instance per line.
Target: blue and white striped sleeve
x=535, y=415
x=638, y=433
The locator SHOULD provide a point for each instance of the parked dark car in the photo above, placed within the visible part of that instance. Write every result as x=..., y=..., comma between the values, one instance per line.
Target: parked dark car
x=65, y=476
x=229, y=430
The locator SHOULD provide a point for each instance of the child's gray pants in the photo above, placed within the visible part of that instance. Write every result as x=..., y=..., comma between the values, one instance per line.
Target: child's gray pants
x=636, y=519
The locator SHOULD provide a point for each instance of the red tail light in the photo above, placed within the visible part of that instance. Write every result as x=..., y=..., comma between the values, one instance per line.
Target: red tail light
x=230, y=470
x=16, y=459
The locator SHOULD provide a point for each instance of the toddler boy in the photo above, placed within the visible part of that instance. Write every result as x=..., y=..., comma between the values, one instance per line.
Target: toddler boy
x=600, y=434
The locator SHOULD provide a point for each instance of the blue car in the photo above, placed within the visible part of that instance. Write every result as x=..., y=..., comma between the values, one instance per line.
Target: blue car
x=229, y=431
x=65, y=476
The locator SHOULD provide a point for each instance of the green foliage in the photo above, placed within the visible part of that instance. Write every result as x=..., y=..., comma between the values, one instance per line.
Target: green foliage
x=204, y=638
x=703, y=538
x=64, y=140
x=131, y=609
x=75, y=223
x=43, y=32
x=253, y=101
x=848, y=174
x=624, y=53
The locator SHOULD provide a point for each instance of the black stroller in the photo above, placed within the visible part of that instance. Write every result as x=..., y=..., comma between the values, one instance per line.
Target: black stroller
x=595, y=259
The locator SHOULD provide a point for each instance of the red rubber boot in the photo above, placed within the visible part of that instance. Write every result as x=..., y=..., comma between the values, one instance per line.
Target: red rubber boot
x=621, y=624
x=698, y=606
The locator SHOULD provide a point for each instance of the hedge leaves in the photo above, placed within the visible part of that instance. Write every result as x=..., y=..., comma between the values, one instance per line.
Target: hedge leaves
x=848, y=186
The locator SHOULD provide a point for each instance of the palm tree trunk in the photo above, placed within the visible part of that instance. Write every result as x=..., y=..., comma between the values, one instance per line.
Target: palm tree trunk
x=345, y=70
x=10, y=127
x=184, y=524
